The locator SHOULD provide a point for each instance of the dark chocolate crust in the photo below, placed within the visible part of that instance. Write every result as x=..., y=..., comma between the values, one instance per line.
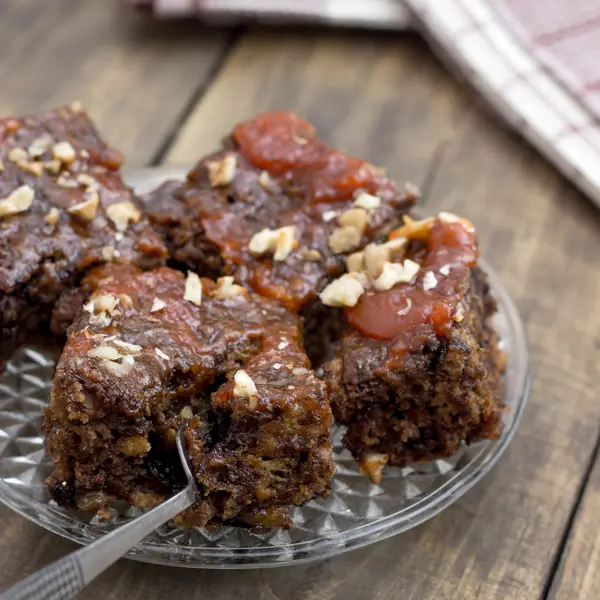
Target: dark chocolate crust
x=113, y=413
x=45, y=250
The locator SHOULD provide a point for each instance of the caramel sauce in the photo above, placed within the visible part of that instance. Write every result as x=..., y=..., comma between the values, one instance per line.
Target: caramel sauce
x=408, y=315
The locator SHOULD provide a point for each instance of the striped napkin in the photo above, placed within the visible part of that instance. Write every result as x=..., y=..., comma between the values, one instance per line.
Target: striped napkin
x=537, y=62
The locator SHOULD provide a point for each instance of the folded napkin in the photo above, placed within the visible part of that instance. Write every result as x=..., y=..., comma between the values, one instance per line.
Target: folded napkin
x=386, y=14
x=536, y=62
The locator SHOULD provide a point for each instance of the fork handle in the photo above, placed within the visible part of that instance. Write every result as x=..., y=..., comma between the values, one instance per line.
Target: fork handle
x=64, y=578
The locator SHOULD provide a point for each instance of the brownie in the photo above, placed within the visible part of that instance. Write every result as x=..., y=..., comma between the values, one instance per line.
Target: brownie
x=149, y=349
x=417, y=372
x=63, y=209
x=280, y=210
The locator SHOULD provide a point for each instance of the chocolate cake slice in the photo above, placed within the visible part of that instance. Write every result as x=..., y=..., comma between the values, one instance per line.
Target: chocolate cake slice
x=418, y=370
x=63, y=209
x=150, y=349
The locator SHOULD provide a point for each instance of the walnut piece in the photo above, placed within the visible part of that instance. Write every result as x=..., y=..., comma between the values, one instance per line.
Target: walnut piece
x=40, y=145
x=222, y=172
x=161, y=354
x=17, y=201
x=157, y=305
x=344, y=291
x=279, y=242
x=87, y=208
x=226, y=288
x=64, y=152
x=193, y=289
x=394, y=273
x=429, y=281
x=355, y=217
x=186, y=413
x=374, y=258
x=367, y=201
x=106, y=352
x=136, y=445
x=244, y=387
x=372, y=465
x=130, y=348
x=344, y=239
x=122, y=213
x=52, y=216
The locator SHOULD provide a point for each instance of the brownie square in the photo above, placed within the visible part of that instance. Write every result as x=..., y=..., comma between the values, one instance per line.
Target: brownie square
x=63, y=209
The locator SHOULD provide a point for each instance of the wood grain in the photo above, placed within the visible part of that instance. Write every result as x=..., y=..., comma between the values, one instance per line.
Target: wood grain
x=136, y=77
x=578, y=574
x=386, y=99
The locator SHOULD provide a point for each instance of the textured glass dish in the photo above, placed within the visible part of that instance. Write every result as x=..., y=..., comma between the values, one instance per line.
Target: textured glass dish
x=356, y=513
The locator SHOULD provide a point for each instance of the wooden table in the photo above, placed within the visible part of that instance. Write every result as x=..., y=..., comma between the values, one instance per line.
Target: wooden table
x=166, y=93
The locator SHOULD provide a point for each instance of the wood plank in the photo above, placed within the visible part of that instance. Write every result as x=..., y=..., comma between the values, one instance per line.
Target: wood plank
x=578, y=574
x=135, y=76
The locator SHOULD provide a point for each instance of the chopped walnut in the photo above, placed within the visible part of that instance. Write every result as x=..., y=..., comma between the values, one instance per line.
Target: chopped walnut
x=372, y=465
x=186, y=413
x=244, y=386
x=17, y=201
x=394, y=273
x=18, y=155
x=157, y=305
x=161, y=354
x=397, y=246
x=283, y=344
x=355, y=217
x=355, y=262
x=226, y=288
x=374, y=258
x=329, y=215
x=412, y=189
x=279, y=242
x=52, y=216
x=193, y=289
x=445, y=270
x=344, y=291
x=122, y=213
x=87, y=208
x=126, y=301
x=136, y=445
x=35, y=168
x=64, y=152
x=53, y=166
x=76, y=106
x=344, y=239
x=120, y=368
x=267, y=182
x=40, y=145
x=222, y=172
x=107, y=352
x=108, y=253
x=449, y=217
x=310, y=254
x=286, y=243
x=130, y=348
x=429, y=281
x=367, y=201
x=103, y=303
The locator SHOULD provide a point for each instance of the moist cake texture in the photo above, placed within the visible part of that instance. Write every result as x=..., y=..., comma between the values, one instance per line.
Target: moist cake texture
x=63, y=209
x=417, y=371
x=150, y=349
x=280, y=210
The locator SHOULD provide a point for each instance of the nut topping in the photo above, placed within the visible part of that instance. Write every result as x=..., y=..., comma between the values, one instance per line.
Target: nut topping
x=17, y=201
x=87, y=208
x=226, y=288
x=244, y=386
x=222, y=172
x=344, y=239
x=193, y=289
x=344, y=291
x=122, y=213
x=367, y=201
x=394, y=273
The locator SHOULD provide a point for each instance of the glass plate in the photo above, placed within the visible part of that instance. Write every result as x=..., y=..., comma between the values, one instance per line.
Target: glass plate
x=356, y=513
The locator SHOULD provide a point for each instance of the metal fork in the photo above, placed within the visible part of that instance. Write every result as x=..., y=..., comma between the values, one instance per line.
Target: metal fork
x=66, y=577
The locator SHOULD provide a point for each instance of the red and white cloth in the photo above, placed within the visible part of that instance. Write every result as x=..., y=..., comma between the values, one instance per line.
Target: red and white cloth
x=537, y=62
